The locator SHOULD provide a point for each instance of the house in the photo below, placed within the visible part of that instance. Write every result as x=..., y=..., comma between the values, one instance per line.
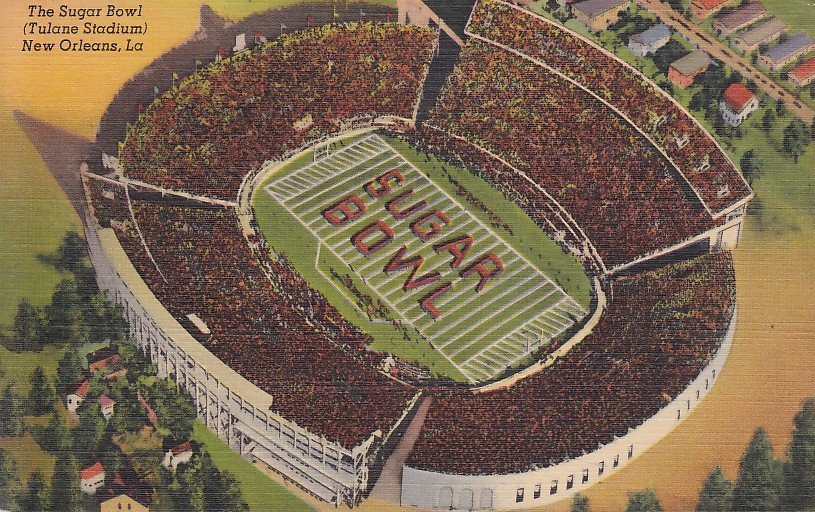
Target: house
x=103, y=358
x=803, y=73
x=75, y=399
x=784, y=53
x=649, y=41
x=92, y=478
x=701, y=9
x=739, y=18
x=106, y=406
x=763, y=33
x=682, y=72
x=176, y=455
x=240, y=43
x=259, y=38
x=737, y=103
x=121, y=503
x=597, y=15
x=221, y=54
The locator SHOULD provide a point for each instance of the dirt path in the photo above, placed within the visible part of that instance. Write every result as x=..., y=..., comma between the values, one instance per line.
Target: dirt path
x=707, y=42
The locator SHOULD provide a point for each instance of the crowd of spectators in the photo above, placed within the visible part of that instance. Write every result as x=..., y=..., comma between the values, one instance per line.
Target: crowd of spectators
x=718, y=182
x=660, y=330
x=224, y=121
x=615, y=185
x=267, y=324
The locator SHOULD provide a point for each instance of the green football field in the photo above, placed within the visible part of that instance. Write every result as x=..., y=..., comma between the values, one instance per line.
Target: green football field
x=424, y=256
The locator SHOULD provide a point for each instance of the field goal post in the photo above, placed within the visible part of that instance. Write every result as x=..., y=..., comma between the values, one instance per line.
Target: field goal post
x=322, y=150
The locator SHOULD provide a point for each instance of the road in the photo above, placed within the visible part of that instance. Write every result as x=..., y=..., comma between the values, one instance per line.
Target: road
x=715, y=48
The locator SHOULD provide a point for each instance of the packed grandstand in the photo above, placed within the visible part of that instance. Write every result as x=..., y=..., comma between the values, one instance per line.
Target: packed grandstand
x=598, y=158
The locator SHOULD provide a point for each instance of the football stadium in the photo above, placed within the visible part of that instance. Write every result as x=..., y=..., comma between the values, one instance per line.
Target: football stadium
x=499, y=262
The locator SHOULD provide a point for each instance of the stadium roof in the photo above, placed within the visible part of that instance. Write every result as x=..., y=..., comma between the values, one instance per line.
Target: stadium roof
x=761, y=32
x=652, y=35
x=592, y=8
x=736, y=96
x=742, y=15
x=691, y=63
x=804, y=70
x=792, y=46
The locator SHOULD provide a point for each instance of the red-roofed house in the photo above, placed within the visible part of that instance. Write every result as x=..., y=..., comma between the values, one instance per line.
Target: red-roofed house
x=176, y=455
x=221, y=54
x=106, y=404
x=803, y=73
x=701, y=9
x=737, y=103
x=92, y=478
x=75, y=399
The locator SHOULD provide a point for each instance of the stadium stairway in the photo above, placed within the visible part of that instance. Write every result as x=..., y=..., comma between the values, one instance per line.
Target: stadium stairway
x=440, y=68
x=388, y=486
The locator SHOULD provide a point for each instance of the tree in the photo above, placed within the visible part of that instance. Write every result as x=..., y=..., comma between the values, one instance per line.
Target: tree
x=799, y=481
x=175, y=410
x=717, y=493
x=9, y=483
x=643, y=501
x=55, y=435
x=66, y=495
x=750, y=165
x=69, y=372
x=768, y=120
x=71, y=253
x=795, y=138
x=27, y=332
x=580, y=503
x=757, y=487
x=36, y=499
x=11, y=424
x=89, y=433
x=64, y=322
x=41, y=397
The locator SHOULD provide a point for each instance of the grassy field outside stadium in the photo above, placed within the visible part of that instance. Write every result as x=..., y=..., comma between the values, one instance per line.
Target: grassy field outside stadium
x=300, y=247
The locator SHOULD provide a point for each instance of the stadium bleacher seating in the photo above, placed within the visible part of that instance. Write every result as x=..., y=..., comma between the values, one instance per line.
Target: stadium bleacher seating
x=659, y=332
x=706, y=168
x=205, y=135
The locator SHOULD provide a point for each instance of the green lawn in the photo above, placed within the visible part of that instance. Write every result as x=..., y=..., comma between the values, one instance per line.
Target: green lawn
x=17, y=368
x=261, y=492
x=33, y=219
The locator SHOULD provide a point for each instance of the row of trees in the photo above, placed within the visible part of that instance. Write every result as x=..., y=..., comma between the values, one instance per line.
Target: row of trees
x=763, y=483
x=78, y=312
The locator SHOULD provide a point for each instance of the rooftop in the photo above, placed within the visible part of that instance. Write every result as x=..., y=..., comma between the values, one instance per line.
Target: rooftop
x=106, y=401
x=761, y=32
x=81, y=389
x=736, y=96
x=652, y=35
x=804, y=70
x=102, y=353
x=789, y=47
x=742, y=15
x=691, y=63
x=592, y=8
x=91, y=471
x=712, y=4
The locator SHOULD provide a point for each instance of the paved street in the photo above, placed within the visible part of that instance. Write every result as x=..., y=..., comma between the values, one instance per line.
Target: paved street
x=717, y=49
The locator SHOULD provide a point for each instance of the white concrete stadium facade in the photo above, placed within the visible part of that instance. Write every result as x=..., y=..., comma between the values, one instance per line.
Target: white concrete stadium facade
x=441, y=491
x=233, y=408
